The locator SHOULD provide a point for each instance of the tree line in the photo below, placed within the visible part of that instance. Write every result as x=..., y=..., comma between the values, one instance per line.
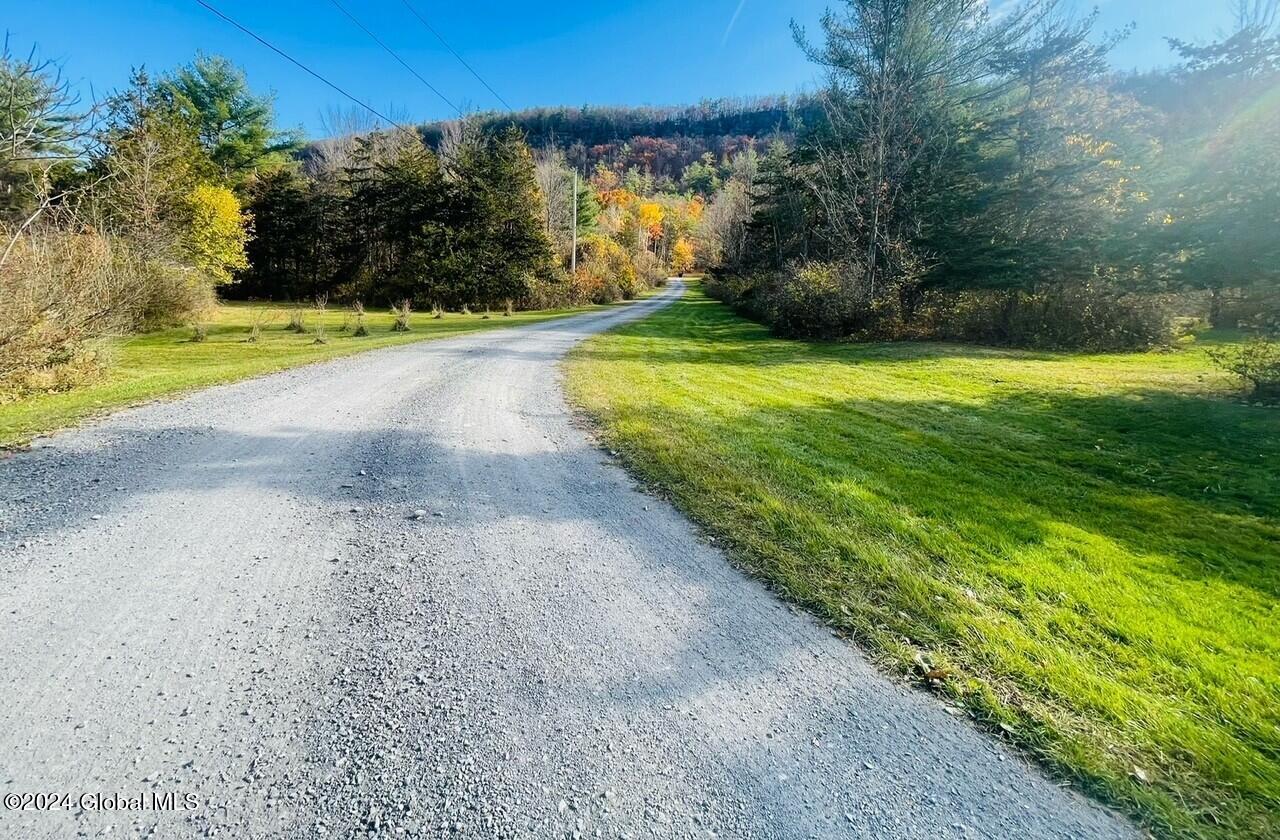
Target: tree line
x=989, y=177
x=382, y=217
x=960, y=176
x=137, y=211
x=593, y=126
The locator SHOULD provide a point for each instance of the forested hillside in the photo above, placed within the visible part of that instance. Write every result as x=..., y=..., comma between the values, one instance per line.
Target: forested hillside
x=661, y=141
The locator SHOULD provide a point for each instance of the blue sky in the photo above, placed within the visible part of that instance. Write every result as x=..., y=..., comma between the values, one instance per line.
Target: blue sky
x=550, y=53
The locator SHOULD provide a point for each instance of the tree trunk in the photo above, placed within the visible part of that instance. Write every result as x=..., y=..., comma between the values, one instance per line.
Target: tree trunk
x=1215, y=306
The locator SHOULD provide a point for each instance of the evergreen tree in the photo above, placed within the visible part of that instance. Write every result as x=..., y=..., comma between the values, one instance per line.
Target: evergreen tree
x=588, y=208
x=495, y=212
x=289, y=254
x=234, y=125
x=782, y=225
x=1220, y=207
x=701, y=177
x=1045, y=182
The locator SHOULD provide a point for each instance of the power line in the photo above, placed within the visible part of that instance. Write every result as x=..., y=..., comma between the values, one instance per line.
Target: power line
x=441, y=39
x=394, y=55
x=300, y=65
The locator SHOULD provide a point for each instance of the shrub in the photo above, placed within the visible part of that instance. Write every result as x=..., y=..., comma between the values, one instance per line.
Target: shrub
x=58, y=290
x=606, y=273
x=815, y=300
x=1257, y=362
x=1064, y=317
x=362, y=329
x=825, y=300
x=199, y=332
x=401, y=312
x=650, y=272
x=552, y=292
x=588, y=287
x=258, y=319
x=60, y=372
x=167, y=294
x=1253, y=307
x=297, y=320
x=802, y=300
x=737, y=290
x=322, y=303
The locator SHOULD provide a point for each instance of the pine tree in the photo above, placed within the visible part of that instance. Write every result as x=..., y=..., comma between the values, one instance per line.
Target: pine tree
x=495, y=211
x=235, y=126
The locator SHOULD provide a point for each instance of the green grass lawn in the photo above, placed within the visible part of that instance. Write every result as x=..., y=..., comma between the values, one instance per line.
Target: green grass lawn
x=1089, y=545
x=156, y=364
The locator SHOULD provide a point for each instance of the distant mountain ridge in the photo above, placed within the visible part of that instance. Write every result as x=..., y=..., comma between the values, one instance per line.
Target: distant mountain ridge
x=659, y=140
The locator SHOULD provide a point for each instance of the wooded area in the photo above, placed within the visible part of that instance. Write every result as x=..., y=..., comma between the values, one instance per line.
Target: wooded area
x=961, y=176
x=991, y=179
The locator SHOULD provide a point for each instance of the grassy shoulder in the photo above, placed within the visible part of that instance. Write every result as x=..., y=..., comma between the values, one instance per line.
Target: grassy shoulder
x=1085, y=547
x=162, y=363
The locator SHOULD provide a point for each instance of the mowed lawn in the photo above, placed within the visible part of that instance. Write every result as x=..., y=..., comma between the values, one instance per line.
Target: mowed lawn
x=1087, y=545
x=159, y=363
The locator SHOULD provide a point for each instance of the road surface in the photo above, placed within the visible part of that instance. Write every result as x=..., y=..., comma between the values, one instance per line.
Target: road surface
x=228, y=598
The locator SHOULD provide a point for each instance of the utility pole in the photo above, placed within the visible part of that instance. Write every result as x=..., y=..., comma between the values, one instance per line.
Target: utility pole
x=574, y=199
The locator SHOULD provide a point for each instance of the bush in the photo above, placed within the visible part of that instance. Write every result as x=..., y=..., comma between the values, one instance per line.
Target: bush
x=736, y=290
x=605, y=274
x=650, y=272
x=802, y=300
x=1065, y=317
x=1257, y=362
x=259, y=318
x=1253, y=307
x=321, y=304
x=827, y=300
x=815, y=300
x=401, y=312
x=552, y=292
x=357, y=313
x=58, y=290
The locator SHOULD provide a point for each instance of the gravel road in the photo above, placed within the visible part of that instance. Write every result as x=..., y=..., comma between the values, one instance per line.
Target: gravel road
x=403, y=594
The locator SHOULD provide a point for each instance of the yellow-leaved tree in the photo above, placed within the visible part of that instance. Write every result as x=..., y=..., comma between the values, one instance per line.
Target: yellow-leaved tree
x=682, y=257
x=605, y=272
x=650, y=217
x=218, y=233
